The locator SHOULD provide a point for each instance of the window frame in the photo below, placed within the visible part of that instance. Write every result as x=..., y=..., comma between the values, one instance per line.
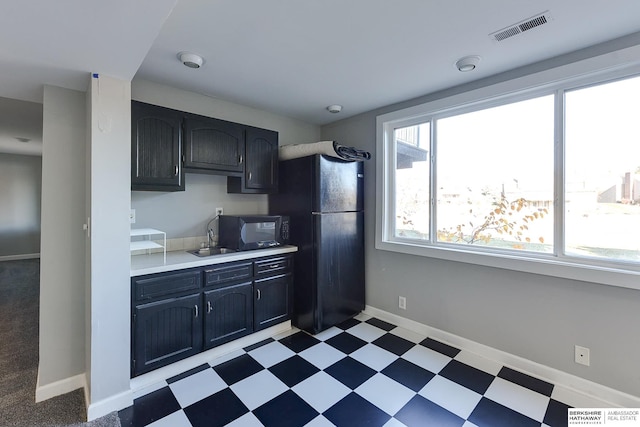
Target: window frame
x=556, y=81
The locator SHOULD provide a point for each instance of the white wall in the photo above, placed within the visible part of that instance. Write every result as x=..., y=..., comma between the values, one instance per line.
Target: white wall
x=20, y=193
x=62, y=243
x=536, y=317
x=109, y=302
x=185, y=214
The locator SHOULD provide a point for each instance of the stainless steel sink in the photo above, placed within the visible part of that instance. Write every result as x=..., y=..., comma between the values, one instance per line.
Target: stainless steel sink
x=205, y=252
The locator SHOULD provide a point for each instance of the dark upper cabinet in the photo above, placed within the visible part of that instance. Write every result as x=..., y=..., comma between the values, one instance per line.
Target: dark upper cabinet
x=166, y=331
x=228, y=314
x=261, y=165
x=156, y=148
x=165, y=143
x=213, y=145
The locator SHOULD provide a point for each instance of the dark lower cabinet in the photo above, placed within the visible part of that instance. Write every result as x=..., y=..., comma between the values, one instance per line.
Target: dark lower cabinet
x=166, y=331
x=180, y=313
x=228, y=314
x=272, y=305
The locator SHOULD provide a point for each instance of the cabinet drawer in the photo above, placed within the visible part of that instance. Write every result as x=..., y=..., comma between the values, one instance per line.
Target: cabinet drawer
x=271, y=266
x=216, y=275
x=152, y=287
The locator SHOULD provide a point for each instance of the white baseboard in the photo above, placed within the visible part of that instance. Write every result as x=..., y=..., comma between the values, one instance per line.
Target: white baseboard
x=590, y=389
x=18, y=257
x=106, y=406
x=47, y=391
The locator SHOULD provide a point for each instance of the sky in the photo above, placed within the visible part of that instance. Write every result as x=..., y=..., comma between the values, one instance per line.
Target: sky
x=514, y=143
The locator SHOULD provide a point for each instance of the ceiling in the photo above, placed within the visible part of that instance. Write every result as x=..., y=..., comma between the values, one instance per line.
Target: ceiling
x=291, y=57
x=20, y=127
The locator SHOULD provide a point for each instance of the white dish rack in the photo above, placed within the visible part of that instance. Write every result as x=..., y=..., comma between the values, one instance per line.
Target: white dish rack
x=143, y=239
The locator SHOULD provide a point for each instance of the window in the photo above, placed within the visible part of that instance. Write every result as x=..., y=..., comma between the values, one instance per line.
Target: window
x=602, y=184
x=549, y=175
x=412, y=181
x=494, y=183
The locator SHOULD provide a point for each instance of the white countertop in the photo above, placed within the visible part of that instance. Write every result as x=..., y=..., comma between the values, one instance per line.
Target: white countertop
x=178, y=260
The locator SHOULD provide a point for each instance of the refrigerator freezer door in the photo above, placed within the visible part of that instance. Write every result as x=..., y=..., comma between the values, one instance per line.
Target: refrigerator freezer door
x=339, y=245
x=339, y=185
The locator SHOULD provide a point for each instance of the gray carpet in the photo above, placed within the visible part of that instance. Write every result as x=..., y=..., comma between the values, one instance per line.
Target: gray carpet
x=19, y=311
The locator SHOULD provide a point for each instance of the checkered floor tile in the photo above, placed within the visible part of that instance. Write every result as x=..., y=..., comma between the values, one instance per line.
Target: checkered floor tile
x=363, y=372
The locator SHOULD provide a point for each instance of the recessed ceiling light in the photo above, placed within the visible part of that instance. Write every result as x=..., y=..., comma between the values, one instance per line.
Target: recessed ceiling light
x=335, y=108
x=468, y=63
x=191, y=60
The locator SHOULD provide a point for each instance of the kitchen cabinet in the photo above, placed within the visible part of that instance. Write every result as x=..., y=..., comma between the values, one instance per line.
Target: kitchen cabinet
x=166, y=331
x=229, y=303
x=273, y=287
x=180, y=313
x=166, y=323
x=273, y=297
x=213, y=145
x=261, y=164
x=156, y=148
x=228, y=313
x=165, y=143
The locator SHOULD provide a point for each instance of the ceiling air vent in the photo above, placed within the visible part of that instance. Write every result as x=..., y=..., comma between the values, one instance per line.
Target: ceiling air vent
x=521, y=27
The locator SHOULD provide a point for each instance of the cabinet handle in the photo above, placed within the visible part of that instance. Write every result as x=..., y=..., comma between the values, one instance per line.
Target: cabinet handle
x=175, y=170
x=249, y=176
x=196, y=307
x=208, y=307
x=240, y=159
x=259, y=295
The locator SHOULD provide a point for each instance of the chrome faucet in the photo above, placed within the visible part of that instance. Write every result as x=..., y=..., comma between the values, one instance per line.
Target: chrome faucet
x=210, y=232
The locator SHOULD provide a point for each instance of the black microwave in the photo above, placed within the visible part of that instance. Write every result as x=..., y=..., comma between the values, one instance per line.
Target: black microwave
x=245, y=233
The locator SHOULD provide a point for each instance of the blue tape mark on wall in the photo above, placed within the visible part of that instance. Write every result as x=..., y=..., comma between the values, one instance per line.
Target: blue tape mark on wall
x=95, y=75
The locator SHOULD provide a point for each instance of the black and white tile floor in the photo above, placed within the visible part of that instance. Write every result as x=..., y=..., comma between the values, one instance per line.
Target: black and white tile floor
x=365, y=372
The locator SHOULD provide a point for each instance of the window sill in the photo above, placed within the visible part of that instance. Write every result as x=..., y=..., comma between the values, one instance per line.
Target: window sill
x=547, y=266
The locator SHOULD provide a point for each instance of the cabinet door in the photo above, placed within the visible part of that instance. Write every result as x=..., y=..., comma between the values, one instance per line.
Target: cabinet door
x=273, y=300
x=228, y=313
x=261, y=165
x=166, y=331
x=213, y=145
x=156, y=148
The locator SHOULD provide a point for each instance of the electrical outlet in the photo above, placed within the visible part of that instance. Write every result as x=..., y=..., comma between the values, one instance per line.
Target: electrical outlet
x=132, y=216
x=402, y=303
x=582, y=355
x=219, y=211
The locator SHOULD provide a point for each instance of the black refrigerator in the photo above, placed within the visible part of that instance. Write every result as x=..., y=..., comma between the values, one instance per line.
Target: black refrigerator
x=323, y=197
